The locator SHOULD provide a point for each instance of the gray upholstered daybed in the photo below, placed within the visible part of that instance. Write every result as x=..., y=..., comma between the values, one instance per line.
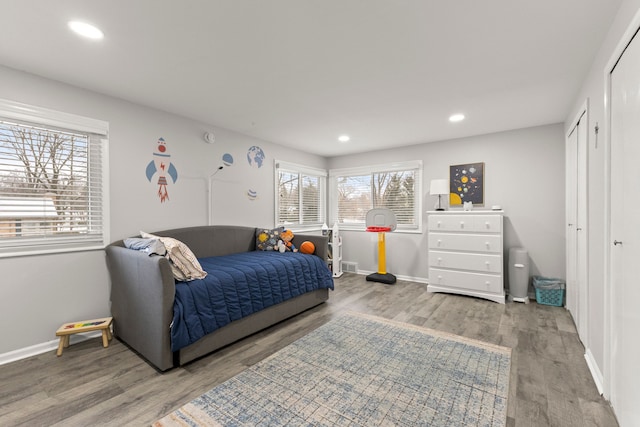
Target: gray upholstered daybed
x=143, y=289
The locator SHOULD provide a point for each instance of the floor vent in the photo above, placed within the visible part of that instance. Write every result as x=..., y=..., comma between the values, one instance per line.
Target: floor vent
x=349, y=267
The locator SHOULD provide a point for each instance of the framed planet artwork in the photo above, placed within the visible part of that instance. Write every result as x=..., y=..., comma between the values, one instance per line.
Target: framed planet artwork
x=466, y=183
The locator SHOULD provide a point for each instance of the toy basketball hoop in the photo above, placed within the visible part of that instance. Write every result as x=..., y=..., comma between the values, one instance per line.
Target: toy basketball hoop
x=381, y=221
x=375, y=229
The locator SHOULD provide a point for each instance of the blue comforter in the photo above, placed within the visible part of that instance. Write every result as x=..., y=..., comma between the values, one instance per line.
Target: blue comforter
x=241, y=284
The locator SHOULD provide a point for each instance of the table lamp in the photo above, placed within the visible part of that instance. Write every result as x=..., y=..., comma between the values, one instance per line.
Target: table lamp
x=439, y=187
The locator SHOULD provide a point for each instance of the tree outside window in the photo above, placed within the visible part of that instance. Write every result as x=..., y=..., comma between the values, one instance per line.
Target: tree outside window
x=359, y=191
x=43, y=168
x=300, y=196
x=53, y=170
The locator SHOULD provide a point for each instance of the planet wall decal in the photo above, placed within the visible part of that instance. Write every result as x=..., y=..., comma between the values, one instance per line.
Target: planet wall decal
x=255, y=157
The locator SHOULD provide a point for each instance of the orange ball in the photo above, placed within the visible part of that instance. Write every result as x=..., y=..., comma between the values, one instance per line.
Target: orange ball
x=307, y=247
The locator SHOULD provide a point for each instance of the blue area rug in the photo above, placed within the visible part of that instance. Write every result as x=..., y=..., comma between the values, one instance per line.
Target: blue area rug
x=361, y=370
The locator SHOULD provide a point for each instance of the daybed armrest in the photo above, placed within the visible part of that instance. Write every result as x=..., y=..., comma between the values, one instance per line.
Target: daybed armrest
x=142, y=295
x=321, y=243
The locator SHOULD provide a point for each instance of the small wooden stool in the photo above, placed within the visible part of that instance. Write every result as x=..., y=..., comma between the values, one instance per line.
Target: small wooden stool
x=84, y=326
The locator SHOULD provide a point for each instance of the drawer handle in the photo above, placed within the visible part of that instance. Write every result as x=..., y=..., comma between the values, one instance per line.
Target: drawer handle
x=439, y=223
x=487, y=224
x=487, y=245
x=488, y=264
x=439, y=279
x=439, y=242
x=461, y=224
x=518, y=265
x=439, y=260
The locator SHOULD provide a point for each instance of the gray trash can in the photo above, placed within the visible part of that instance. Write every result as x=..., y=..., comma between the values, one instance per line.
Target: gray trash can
x=519, y=275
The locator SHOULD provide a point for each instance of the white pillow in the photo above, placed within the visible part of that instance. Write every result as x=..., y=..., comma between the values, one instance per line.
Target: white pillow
x=184, y=264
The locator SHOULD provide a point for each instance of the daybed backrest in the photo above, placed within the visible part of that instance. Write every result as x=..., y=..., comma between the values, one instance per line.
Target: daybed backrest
x=214, y=240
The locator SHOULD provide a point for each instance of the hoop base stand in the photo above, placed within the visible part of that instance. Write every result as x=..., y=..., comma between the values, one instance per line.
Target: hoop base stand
x=386, y=278
x=381, y=276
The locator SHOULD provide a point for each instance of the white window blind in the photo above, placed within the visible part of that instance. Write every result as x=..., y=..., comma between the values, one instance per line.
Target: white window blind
x=52, y=181
x=300, y=195
x=355, y=191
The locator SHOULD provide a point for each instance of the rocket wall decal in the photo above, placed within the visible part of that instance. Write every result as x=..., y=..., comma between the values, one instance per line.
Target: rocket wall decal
x=161, y=165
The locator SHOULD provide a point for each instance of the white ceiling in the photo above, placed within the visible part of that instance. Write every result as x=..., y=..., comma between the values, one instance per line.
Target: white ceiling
x=302, y=72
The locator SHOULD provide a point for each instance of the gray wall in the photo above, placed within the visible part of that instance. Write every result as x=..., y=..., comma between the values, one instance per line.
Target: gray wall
x=40, y=293
x=524, y=173
x=523, y=169
x=593, y=90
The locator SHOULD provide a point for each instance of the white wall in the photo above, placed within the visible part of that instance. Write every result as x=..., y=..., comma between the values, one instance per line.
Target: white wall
x=523, y=169
x=593, y=90
x=524, y=173
x=39, y=293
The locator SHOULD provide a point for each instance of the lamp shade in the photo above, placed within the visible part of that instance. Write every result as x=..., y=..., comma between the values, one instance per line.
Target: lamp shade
x=439, y=186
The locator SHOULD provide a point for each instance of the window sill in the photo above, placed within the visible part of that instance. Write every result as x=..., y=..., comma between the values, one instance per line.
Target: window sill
x=50, y=251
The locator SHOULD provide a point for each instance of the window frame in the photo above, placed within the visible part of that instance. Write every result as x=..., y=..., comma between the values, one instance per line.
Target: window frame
x=280, y=165
x=414, y=165
x=98, y=143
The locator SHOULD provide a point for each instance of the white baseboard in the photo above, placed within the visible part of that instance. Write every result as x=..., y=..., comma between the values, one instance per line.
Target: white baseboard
x=414, y=279
x=595, y=372
x=44, y=347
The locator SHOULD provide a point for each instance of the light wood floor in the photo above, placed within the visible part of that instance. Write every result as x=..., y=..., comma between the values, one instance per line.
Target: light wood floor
x=90, y=385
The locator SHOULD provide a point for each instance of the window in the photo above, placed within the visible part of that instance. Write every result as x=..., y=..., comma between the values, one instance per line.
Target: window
x=300, y=196
x=53, y=186
x=395, y=186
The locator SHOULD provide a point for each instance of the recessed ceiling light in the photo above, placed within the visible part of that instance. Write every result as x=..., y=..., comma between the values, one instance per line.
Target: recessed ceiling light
x=456, y=118
x=86, y=30
x=343, y=138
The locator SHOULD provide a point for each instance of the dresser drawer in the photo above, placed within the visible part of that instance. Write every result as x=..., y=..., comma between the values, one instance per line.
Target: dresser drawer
x=463, y=280
x=471, y=223
x=482, y=263
x=466, y=242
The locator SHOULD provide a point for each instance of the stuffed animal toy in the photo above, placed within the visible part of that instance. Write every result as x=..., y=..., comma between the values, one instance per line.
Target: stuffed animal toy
x=286, y=237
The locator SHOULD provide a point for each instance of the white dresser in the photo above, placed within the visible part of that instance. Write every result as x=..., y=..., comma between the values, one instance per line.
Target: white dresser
x=466, y=254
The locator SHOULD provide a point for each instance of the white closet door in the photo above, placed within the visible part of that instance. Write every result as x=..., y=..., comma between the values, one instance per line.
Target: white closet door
x=582, y=208
x=576, y=217
x=571, y=206
x=625, y=237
